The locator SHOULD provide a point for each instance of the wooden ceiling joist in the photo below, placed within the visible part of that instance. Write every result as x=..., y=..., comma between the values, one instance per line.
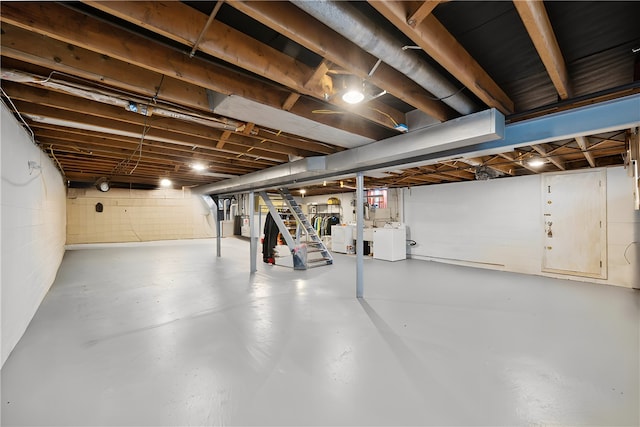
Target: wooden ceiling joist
x=96, y=109
x=446, y=168
x=171, y=90
x=228, y=44
x=518, y=161
x=536, y=21
x=154, y=133
x=223, y=138
x=583, y=143
x=317, y=37
x=543, y=152
x=435, y=40
x=424, y=10
x=292, y=98
x=495, y=163
x=62, y=57
x=319, y=78
x=151, y=154
x=71, y=134
x=415, y=178
x=68, y=26
x=77, y=73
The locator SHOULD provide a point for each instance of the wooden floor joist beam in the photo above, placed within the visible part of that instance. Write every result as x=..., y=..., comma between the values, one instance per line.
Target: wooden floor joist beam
x=71, y=27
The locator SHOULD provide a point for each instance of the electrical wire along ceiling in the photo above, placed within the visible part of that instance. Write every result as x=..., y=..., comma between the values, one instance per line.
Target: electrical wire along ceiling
x=125, y=94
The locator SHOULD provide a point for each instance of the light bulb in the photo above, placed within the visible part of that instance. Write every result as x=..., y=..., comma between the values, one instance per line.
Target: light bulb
x=353, y=96
x=535, y=162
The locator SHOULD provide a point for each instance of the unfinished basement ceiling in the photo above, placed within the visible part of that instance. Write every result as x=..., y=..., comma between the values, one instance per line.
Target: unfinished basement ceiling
x=139, y=91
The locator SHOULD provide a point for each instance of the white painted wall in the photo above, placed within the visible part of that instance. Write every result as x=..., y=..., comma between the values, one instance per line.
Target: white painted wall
x=497, y=224
x=33, y=229
x=623, y=230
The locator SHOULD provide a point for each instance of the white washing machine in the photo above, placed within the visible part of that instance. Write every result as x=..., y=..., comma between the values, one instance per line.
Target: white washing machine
x=390, y=244
x=342, y=238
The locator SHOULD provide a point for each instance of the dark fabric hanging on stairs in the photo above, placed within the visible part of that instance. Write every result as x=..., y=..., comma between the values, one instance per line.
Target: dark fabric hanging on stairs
x=270, y=240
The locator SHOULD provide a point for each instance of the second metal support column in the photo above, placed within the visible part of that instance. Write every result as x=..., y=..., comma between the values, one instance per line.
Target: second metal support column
x=216, y=211
x=359, y=235
x=253, y=239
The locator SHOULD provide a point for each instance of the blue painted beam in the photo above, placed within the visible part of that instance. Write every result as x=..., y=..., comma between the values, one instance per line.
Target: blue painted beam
x=616, y=114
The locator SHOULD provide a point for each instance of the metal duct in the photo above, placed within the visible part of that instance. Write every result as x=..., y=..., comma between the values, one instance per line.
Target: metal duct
x=292, y=172
x=355, y=26
x=413, y=147
x=419, y=146
x=478, y=134
x=251, y=111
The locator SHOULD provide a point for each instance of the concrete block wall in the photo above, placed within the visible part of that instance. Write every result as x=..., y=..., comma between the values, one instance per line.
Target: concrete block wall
x=33, y=210
x=136, y=216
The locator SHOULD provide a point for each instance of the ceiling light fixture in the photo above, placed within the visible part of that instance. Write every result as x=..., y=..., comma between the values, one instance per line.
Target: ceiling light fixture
x=198, y=166
x=354, y=90
x=536, y=162
x=102, y=184
x=164, y=182
x=353, y=96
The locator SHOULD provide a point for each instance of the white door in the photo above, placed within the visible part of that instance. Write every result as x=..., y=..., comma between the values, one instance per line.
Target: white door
x=574, y=213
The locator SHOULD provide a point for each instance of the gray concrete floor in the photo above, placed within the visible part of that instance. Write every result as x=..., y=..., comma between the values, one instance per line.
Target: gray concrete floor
x=168, y=334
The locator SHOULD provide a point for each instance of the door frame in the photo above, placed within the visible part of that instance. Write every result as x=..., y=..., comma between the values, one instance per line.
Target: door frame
x=603, y=274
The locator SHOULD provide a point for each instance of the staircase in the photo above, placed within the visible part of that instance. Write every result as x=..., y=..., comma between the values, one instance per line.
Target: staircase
x=316, y=254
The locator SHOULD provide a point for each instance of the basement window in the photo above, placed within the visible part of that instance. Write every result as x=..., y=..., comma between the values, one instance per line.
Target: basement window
x=377, y=198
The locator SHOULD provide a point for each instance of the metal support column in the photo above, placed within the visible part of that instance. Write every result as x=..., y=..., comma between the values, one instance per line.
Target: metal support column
x=359, y=235
x=215, y=209
x=253, y=239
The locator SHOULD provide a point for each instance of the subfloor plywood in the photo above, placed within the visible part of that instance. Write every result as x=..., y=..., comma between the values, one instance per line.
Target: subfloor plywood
x=171, y=335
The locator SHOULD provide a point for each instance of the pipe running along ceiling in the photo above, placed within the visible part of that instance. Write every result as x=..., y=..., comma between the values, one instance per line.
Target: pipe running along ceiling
x=347, y=21
x=200, y=91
